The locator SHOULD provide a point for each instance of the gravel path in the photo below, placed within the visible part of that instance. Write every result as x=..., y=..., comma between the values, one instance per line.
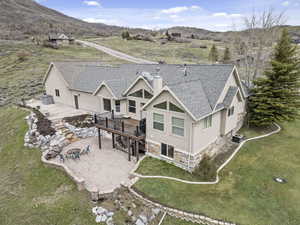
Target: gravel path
x=115, y=53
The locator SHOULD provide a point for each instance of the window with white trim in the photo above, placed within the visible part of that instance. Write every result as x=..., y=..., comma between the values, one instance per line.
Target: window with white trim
x=178, y=126
x=107, y=104
x=132, y=106
x=118, y=105
x=137, y=94
x=167, y=150
x=158, y=121
x=175, y=108
x=231, y=111
x=57, y=94
x=162, y=105
x=207, y=122
x=147, y=95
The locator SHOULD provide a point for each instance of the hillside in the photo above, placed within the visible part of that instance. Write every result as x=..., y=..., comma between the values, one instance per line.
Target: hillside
x=21, y=18
x=203, y=34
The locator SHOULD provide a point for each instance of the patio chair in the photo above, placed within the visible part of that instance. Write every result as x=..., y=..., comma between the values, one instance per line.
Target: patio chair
x=76, y=155
x=61, y=158
x=88, y=149
x=85, y=150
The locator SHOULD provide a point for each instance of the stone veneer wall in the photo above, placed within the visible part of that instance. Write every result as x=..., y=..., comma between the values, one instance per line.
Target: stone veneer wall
x=183, y=160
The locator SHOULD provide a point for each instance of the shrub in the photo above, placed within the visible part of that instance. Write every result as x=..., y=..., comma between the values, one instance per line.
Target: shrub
x=82, y=121
x=43, y=125
x=126, y=35
x=206, y=169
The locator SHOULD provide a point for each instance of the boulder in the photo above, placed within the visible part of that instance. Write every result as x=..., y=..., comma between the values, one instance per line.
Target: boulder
x=156, y=211
x=144, y=219
x=139, y=222
x=109, y=221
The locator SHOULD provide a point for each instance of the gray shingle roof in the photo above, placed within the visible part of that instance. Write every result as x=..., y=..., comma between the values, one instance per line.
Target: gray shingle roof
x=199, y=90
x=229, y=96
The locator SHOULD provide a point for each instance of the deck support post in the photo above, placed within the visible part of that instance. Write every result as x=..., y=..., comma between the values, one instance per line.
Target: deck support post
x=128, y=145
x=99, y=138
x=137, y=150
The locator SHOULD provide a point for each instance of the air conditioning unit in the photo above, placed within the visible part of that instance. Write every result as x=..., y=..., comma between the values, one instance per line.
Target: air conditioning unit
x=237, y=138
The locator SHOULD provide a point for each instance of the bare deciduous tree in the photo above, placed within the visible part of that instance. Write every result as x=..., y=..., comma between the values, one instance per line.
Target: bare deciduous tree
x=253, y=45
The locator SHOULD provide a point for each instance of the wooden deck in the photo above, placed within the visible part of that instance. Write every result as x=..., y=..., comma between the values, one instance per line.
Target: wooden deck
x=126, y=134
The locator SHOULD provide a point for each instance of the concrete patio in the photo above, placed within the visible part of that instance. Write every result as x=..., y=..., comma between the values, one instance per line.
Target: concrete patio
x=56, y=111
x=103, y=169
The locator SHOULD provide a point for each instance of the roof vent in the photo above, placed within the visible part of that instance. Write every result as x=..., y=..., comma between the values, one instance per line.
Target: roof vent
x=157, y=70
x=185, y=70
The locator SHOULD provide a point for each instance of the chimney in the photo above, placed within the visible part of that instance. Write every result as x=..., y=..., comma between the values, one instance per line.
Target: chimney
x=157, y=82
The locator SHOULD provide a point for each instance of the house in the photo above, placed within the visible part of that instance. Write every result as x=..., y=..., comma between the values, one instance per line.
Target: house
x=60, y=39
x=190, y=110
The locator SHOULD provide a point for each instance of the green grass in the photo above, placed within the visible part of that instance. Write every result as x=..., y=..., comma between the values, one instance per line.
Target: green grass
x=30, y=193
x=255, y=131
x=171, y=52
x=246, y=193
x=23, y=78
x=174, y=221
x=154, y=167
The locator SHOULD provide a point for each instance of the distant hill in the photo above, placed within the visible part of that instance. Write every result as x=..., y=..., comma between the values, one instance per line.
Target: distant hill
x=21, y=18
x=198, y=33
x=25, y=18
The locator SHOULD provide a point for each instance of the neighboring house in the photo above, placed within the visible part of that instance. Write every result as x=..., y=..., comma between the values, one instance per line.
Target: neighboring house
x=60, y=39
x=189, y=110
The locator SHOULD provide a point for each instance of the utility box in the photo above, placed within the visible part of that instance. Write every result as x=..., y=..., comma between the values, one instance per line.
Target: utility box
x=237, y=138
x=47, y=99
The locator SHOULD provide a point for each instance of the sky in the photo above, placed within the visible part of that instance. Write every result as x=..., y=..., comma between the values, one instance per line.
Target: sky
x=217, y=15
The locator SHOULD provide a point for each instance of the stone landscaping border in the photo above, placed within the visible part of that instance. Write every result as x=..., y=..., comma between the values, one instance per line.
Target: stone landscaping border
x=217, y=180
x=187, y=216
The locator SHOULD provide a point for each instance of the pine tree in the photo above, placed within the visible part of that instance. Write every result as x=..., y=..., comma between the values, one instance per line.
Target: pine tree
x=125, y=35
x=213, y=54
x=276, y=97
x=227, y=56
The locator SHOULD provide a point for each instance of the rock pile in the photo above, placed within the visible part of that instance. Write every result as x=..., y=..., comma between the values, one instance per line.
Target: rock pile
x=82, y=132
x=103, y=215
x=33, y=139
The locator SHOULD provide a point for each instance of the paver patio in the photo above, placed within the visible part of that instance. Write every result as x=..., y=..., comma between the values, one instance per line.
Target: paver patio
x=56, y=111
x=105, y=169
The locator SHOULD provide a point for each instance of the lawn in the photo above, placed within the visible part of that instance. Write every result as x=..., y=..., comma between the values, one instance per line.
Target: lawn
x=155, y=167
x=30, y=193
x=170, y=52
x=246, y=193
x=174, y=221
x=22, y=78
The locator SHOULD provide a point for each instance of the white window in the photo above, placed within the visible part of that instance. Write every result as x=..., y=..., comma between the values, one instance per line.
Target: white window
x=207, y=122
x=118, y=105
x=158, y=121
x=132, y=106
x=167, y=150
x=178, y=126
x=107, y=104
x=231, y=111
x=57, y=94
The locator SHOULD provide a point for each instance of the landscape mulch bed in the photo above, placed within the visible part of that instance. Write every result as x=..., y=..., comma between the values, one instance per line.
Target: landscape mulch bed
x=81, y=121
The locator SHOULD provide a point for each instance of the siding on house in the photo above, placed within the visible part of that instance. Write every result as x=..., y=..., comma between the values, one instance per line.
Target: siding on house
x=56, y=81
x=166, y=136
x=140, y=102
x=87, y=101
x=202, y=137
x=232, y=121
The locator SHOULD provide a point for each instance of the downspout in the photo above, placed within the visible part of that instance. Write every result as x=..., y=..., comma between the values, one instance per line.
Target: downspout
x=191, y=145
